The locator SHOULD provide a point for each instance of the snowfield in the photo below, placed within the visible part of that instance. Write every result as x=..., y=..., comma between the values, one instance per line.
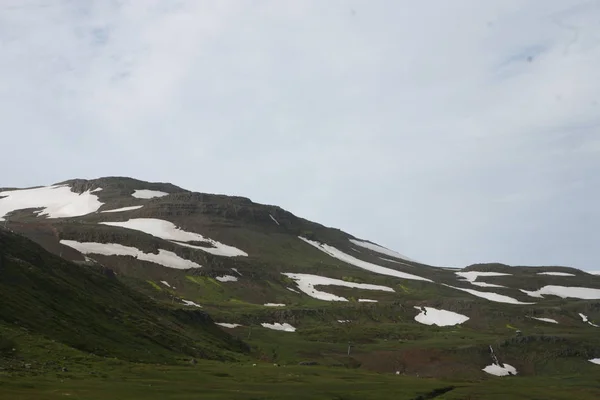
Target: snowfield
x=565, y=292
x=169, y=231
x=499, y=298
x=471, y=277
x=380, y=249
x=307, y=282
x=130, y=208
x=226, y=278
x=552, y=321
x=227, y=325
x=585, y=319
x=495, y=369
x=190, y=303
x=556, y=273
x=56, y=201
x=148, y=194
x=279, y=327
x=335, y=253
x=164, y=257
x=434, y=316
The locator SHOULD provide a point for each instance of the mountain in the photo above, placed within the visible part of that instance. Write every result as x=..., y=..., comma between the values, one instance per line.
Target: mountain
x=156, y=265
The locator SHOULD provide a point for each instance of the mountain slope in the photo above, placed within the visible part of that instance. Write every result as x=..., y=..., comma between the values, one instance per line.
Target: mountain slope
x=89, y=309
x=297, y=290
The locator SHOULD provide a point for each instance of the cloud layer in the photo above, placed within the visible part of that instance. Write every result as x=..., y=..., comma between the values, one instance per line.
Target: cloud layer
x=453, y=132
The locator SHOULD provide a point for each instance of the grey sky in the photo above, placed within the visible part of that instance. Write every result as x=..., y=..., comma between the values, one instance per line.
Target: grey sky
x=451, y=131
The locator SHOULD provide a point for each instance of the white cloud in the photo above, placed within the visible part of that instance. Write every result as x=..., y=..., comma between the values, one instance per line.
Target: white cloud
x=456, y=132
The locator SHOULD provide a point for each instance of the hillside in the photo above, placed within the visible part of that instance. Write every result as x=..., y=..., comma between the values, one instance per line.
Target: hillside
x=155, y=265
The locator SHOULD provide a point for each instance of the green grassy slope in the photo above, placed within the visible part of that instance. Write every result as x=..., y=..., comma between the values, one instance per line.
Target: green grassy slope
x=89, y=309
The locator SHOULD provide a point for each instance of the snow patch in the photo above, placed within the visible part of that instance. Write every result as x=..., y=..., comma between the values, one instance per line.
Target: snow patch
x=595, y=361
x=585, y=319
x=471, y=277
x=279, y=327
x=380, y=249
x=555, y=273
x=343, y=321
x=499, y=298
x=190, y=303
x=165, y=283
x=236, y=271
x=496, y=369
x=434, y=316
x=367, y=301
x=335, y=253
x=226, y=278
x=56, y=201
x=227, y=325
x=292, y=290
x=164, y=257
x=98, y=189
x=565, y=292
x=552, y=321
x=274, y=220
x=307, y=282
x=169, y=231
x=130, y=208
x=148, y=194
x=274, y=305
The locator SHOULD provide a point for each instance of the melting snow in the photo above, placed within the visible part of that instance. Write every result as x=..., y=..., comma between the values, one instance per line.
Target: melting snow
x=585, y=319
x=499, y=298
x=148, y=194
x=434, y=316
x=56, y=201
x=227, y=325
x=379, y=249
x=553, y=321
x=496, y=369
x=279, y=327
x=333, y=252
x=168, y=231
x=595, y=360
x=123, y=209
x=190, y=303
x=226, y=278
x=306, y=283
x=556, y=273
x=274, y=305
x=165, y=283
x=274, y=220
x=565, y=292
x=164, y=257
x=471, y=277
x=367, y=301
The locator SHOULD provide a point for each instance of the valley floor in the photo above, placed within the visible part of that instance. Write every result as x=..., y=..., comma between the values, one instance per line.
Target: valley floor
x=213, y=380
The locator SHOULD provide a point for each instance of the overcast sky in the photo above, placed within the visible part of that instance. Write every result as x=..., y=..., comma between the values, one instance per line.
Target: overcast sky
x=453, y=132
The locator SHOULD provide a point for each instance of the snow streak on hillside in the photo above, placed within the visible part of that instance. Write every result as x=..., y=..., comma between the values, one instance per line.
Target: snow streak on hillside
x=164, y=257
x=168, y=231
x=306, y=283
x=340, y=255
x=380, y=249
x=565, y=292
